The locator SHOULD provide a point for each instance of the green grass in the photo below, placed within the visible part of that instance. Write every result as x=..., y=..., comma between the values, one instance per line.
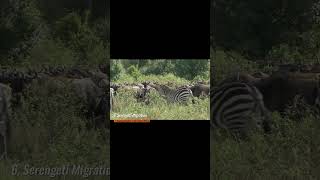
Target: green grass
x=292, y=151
x=48, y=130
x=159, y=109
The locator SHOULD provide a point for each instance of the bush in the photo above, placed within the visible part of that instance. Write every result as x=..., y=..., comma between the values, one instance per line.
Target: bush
x=116, y=70
x=48, y=51
x=76, y=33
x=188, y=69
x=134, y=72
x=49, y=129
x=228, y=63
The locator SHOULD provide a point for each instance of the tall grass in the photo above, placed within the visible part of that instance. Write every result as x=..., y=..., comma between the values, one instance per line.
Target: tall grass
x=159, y=108
x=49, y=130
x=292, y=151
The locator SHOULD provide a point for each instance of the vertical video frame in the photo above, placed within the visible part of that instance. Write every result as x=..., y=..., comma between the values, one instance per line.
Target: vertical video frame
x=161, y=89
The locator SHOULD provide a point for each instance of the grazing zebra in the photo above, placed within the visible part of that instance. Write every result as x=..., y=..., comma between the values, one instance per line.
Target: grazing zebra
x=111, y=98
x=234, y=106
x=179, y=95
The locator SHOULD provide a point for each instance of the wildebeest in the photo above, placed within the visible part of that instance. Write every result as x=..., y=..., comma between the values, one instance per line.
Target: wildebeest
x=280, y=89
x=199, y=90
x=94, y=98
x=142, y=93
x=240, y=77
x=260, y=75
x=115, y=87
x=288, y=68
x=315, y=68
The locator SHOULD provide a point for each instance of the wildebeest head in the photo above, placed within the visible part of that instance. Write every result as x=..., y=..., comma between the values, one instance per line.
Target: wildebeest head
x=115, y=87
x=142, y=95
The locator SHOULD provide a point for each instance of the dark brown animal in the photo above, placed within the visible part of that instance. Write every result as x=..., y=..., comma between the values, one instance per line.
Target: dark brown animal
x=200, y=90
x=94, y=98
x=280, y=89
x=142, y=93
x=260, y=75
x=288, y=68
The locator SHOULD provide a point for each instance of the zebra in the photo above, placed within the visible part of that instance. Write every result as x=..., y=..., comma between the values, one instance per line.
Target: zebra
x=179, y=95
x=233, y=106
x=111, y=98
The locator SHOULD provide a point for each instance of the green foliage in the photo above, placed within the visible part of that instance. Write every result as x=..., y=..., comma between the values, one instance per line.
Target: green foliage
x=145, y=69
x=252, y=28
x=116, y=70
x=288, y=153
x=19, y=20
x=102, y=29
x=29, y=30
x=284, y=53
x=228, y=63
x=76, y=33
x=160, y=67
x=188, y=69
x=164, y=79
x=134, y=72
x=49, y=129
x=49, y=51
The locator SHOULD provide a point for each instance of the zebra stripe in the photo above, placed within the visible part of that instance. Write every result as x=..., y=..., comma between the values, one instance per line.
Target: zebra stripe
x=179, y=95
x=111, y=98
x=233, y=106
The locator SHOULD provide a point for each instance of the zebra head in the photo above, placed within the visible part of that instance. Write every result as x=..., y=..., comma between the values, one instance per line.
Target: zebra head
x=115, y=88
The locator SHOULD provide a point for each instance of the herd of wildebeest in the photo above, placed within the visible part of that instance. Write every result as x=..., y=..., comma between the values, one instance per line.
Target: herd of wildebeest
x=89, y=84
x=238, y=96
